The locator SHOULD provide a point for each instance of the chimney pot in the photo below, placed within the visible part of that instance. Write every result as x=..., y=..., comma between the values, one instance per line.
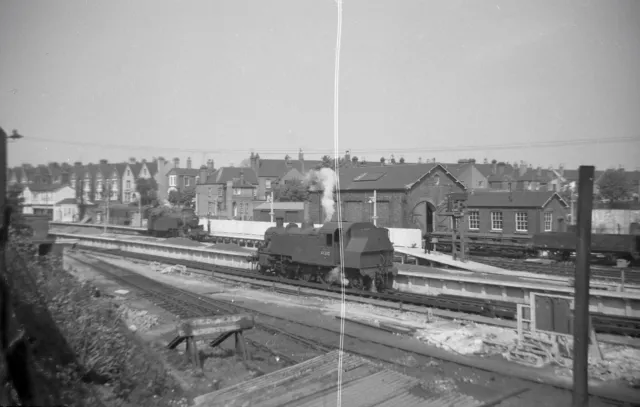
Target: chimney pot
x=189, y=162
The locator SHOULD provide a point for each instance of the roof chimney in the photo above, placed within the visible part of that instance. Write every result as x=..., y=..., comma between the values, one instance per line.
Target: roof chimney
x=300, y=155
x=347, y=156
x=176, y=162
x=203, y=174
x=189, y=162
x=104, y=161
x=77, y=164
x=539, y=171
x=501, y=166
x=561, y=170
x=522, y=169
x=241, y=176
x=210, y=164
x=132, y=160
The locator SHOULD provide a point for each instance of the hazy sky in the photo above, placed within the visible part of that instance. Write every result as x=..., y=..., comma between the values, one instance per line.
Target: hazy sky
x=119, y=79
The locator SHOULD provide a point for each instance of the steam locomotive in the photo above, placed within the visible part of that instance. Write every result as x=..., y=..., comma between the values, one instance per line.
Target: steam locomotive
x=313, y=254
x=185, y=223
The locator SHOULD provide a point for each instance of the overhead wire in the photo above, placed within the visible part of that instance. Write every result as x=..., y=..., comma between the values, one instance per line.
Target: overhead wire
x=322, y=151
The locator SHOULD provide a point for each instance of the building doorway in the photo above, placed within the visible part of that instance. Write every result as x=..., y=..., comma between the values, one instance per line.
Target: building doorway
x=430, y=216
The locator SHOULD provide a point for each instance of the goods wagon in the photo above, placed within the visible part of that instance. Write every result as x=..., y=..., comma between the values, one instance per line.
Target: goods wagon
x=616, y=245
x=309, y=253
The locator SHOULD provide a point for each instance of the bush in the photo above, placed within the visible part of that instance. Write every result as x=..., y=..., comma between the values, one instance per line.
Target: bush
x=82, y=351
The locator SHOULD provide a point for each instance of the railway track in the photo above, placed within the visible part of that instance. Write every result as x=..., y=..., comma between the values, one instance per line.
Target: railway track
x=597, y=272
x=488, y=308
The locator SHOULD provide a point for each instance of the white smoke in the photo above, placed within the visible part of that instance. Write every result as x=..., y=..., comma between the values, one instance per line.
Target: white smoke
x=334, y=276
x=326, y=177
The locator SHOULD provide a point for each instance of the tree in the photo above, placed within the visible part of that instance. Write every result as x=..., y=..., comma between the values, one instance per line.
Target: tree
x=293, y=191
x=401, y=160
x=329, y=162
x=184, y=198
x=382, y=160
x=614, y=186
x=147, y=189
x=393, y=159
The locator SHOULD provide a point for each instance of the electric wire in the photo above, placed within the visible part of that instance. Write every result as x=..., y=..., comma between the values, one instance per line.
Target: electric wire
x=390, y=150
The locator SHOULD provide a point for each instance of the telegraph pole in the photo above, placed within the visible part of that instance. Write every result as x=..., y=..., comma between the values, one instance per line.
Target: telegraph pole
x=581, y=309
x=106, y=188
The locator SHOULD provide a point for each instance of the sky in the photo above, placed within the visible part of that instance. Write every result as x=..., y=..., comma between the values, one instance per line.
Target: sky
x=548, y=82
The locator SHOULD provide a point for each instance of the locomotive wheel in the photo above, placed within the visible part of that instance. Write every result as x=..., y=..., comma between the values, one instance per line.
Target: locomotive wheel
x=357, y=282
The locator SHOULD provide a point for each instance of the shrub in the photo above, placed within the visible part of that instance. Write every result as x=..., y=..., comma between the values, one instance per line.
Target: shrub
x=82, y=351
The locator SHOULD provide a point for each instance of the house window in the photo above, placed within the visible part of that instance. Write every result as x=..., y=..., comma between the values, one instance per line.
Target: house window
x=172, y=180
x=127, y=196
x=548, y=221
x=237, y=191
x=128, y=173
x=128, y=184
x=99, y=186
x=267, y=184
x=186, y=181
x=496, y=220
x=144, y=172
x=474, y=220
x=210, y=192
x=522, y=223
x=480, y=184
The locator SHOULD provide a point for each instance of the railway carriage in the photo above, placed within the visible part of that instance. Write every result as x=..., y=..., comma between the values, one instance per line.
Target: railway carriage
x=314, y=254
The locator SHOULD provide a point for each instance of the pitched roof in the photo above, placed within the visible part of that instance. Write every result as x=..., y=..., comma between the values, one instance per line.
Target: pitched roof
x=393, y=177
x=119, y=167
x=515, y=199
x=67, y=201
x=276, y=168
x=105, y=170
x=224, y=174
x=44, y=187
x=152, y=167
x=193, y=172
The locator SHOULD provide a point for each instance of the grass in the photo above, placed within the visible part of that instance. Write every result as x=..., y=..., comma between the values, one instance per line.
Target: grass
x=82, y=352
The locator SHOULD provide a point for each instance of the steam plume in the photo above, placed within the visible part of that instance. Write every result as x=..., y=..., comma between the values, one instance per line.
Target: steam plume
x=327, y=178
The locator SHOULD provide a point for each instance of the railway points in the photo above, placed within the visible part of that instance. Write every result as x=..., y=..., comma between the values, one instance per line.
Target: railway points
x=399, y=343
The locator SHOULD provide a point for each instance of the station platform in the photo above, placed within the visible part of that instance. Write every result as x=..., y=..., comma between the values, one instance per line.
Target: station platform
x=447, y=261
x=416, y=270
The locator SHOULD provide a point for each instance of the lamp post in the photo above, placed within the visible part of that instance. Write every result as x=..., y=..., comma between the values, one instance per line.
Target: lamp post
x=271, y=212
x=374, y=200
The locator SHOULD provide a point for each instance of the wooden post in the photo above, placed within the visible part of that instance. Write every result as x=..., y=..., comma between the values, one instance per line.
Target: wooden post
x=583, y=254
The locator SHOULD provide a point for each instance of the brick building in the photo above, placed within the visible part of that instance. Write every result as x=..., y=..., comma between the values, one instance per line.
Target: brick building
x=513, y=213
x=407, y=195
x=227, y=193
x=269, y=171
x=181, y=179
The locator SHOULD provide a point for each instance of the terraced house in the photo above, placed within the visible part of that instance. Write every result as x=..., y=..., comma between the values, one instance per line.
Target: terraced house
x=181, y=179
x=141, y=170
x=227, y=193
